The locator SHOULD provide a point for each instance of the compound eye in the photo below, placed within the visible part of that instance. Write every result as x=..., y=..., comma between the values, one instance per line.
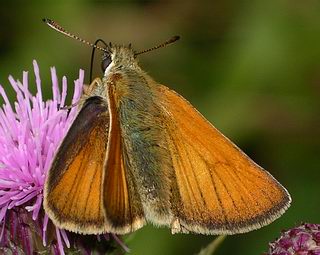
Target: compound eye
x=106, y=61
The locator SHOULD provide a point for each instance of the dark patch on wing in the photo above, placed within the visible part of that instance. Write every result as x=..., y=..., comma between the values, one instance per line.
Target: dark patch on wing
x=93, y=109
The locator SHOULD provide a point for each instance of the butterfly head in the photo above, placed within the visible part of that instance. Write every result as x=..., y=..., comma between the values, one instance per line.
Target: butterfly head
x=113, y=56
x=125, y=56
x=118, y=57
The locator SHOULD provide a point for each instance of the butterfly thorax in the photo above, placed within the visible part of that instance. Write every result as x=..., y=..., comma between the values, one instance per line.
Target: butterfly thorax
x=124, y=75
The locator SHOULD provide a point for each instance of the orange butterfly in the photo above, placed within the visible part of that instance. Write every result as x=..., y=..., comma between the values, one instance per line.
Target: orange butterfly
x=139, y=152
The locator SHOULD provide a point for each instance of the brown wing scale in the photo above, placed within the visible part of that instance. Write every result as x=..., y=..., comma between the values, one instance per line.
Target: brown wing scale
x=123, y=208
x=72, y=196
x=221, y=190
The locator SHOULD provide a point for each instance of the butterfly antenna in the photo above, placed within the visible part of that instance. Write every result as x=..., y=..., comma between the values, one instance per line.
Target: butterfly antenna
x=171, y=40
x=61, y=30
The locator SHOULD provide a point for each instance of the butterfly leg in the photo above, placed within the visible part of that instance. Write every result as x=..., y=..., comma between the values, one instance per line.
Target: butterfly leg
x=177, y=227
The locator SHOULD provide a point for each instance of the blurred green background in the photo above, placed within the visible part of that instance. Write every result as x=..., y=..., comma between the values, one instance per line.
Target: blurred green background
x=251, y=67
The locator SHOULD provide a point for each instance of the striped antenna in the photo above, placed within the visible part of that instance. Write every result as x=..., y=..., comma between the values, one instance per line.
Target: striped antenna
x=171, y=40
x=61, y=30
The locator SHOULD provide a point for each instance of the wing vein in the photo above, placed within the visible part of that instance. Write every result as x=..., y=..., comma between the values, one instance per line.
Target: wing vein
x=73, y=192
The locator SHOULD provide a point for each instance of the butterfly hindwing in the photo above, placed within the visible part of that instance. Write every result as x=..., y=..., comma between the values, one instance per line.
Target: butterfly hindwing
x=124, y=212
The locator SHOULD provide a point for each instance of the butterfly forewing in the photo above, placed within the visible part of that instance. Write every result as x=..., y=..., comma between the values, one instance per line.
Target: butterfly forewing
x=74, y=182
x=221, y=190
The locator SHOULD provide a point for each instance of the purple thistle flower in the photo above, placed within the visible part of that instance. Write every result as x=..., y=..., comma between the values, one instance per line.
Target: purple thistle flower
x=30, y=132
x=301, y=240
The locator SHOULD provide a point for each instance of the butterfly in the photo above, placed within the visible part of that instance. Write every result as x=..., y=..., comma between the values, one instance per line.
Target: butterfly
x=138, y=152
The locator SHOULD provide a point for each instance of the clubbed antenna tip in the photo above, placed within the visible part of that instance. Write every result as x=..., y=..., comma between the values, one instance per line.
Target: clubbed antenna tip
x=54, y=25
x=171, y=40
